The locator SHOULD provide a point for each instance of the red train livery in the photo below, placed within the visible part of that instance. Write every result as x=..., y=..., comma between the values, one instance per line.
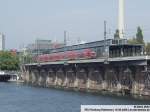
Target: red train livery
x=67, y=55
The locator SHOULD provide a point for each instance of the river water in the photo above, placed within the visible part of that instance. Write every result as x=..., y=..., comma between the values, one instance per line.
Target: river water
x=21, y=98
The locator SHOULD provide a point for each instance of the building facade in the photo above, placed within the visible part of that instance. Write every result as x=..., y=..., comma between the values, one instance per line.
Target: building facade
x=43, y=46
x=2, y=42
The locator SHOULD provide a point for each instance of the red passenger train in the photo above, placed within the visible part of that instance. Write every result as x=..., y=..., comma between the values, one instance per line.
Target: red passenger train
x=68, y=55
x=98, y=49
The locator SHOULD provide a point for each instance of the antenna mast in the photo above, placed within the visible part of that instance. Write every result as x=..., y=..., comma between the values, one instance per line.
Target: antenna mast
x=105, y=35
x=65, y=38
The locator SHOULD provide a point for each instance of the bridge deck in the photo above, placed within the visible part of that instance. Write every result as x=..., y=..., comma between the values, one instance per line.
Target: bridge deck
x=118, y=59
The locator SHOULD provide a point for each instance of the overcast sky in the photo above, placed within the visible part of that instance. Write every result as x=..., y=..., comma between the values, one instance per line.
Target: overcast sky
x=22, y=21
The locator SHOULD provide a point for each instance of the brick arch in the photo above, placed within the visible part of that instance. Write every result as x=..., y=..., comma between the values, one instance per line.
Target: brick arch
x=147, y=80
x=35, y=76
x=96, y=75
x=111, y=78
x=60, y=77
x=82, y=78
x=70, y=74
x=42, y=77
x=51, y=77
x=95, y=79
x=126, y=79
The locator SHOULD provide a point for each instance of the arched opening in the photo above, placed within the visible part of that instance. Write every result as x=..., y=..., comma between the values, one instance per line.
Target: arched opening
x=70, y=78
x=127, y=79
x=82, y=78
x=111, y=79
x=51, y=77
x=42, y=78
x=60, y=77
x=95, y=77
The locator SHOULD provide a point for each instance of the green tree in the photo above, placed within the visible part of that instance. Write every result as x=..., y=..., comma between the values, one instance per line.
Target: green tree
x=138, y=39
x=116, y=35
x=26, y=58
x=139, y=36
x=8, y=61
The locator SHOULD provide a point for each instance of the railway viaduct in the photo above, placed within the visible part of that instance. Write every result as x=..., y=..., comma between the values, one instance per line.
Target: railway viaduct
x=124, y=75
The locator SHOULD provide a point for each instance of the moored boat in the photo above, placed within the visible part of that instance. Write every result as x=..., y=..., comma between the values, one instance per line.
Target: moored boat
x=4, y=77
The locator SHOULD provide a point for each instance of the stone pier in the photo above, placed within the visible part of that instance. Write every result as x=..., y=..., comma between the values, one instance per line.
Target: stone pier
x=118, y=77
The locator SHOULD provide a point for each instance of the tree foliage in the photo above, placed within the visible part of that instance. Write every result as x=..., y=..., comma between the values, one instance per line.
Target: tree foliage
x=26, y=58
x=139, y=37
x=8, y=61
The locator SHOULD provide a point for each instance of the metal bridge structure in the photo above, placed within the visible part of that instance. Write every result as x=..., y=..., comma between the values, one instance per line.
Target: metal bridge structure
x=130, y=74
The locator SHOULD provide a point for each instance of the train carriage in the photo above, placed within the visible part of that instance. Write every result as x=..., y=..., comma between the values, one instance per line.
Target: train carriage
x=98, y=49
